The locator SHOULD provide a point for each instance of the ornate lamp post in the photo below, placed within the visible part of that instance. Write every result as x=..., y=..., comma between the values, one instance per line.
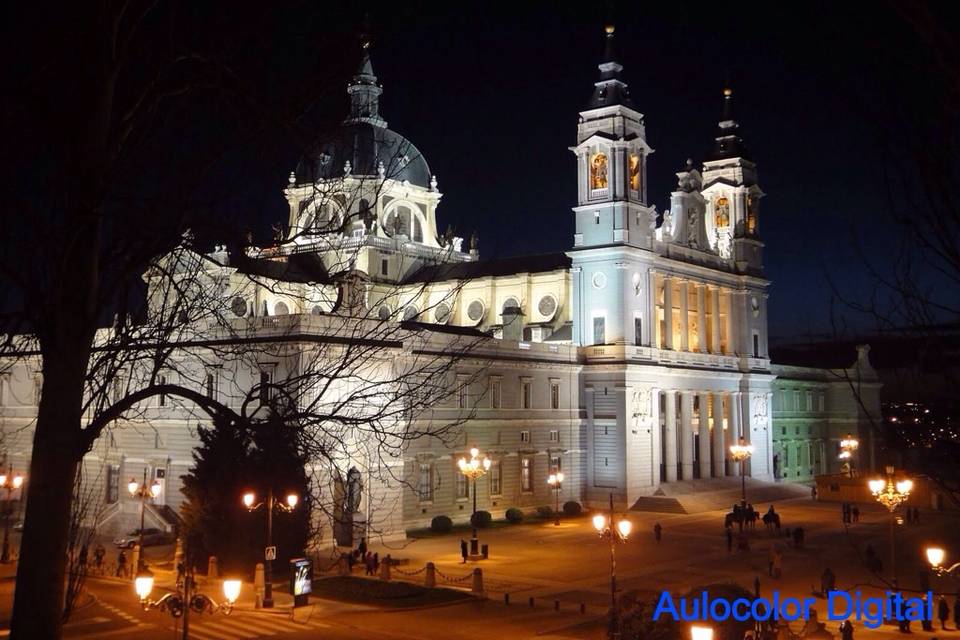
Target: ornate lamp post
x=619, y=533
x=556, y=481
x=741, y=452
x=891, y=493
x=472, y=469
x=848, y=446
x=8, y=481
x=143, y=492
x=181, y=602
x=250, y=502
x=936, y=556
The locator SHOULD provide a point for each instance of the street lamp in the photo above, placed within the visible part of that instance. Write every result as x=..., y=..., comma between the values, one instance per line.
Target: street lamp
x=936, y=556
x=848, y=446
x=143, y=492
x=891, y=493
x=180, y=602
x=701, y=633
x=289, y=504
x=556, y=481
x=8, y=481
x=741, y=453
x=472, y=469
x=619, y=533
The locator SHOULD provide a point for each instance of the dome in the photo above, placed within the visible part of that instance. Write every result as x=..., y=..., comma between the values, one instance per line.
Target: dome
x=365, y=146
x=364, y=140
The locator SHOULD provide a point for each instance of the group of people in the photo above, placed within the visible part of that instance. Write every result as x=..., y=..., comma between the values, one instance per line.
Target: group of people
x=851, y=513
x=913, y=515
x=362, y=556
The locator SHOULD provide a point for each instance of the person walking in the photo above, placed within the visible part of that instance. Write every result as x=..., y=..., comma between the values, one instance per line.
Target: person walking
x=98, y=553
x=463, y=551
x=856, y=513
x=657, y=532
x=826, y=581
x=729, y=531
x=943, y=612
x=916, y=515
x=122, y=564
x=362, y=548
x=82, y=560
x=846, y=630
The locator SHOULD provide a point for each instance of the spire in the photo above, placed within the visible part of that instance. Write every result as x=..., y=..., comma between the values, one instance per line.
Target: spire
x=610, y=89
x=364, y=91
x=729, y=144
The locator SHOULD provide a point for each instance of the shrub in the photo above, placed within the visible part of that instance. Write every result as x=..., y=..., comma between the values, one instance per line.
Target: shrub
x=572, y=508
x=514, y=515
x=441, y=524
x=481, y=519
x=544, y=512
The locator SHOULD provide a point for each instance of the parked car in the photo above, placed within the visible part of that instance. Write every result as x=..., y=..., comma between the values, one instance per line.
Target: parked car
x=151, y=538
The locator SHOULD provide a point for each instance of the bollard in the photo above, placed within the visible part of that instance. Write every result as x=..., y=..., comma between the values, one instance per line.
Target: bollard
x=583, y=608
x=531, y=602
x=258, y=584
x=430, y=576
x=178, y=554
x=485, y=551
x=556, y=605
x=506, y=599
x=212, y=570
x=385, y=569
x=478, y=581
x=134, y=562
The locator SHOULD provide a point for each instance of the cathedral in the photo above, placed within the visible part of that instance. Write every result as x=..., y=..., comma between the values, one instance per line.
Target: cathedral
x=631, y=361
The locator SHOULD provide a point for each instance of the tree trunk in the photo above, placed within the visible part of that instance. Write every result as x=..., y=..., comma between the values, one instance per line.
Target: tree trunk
x=41, y=574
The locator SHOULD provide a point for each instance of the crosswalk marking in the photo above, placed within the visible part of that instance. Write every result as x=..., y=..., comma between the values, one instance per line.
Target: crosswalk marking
x=250, y=626
x=203, y=632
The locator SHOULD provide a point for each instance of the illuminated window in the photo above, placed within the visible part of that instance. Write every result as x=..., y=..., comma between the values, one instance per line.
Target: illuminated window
x=598, y=171
x=526, y=474
x=113, y=483
x=752, y=204
x=463, y=488
x=496, y=477
x=634, y=168
x=722, y=211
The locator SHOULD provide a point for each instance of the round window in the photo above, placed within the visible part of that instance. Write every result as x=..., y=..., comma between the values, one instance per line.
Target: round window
x=383, y=312
x=475, y=310
x=599, y=280
x=547, y=306
x=280, y=309
x=442, y=313
x=238, y=306
x=410, y=313
x=317, y=310
x=510, y=303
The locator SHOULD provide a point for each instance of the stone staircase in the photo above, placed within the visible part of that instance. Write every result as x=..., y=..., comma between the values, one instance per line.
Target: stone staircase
x=658, y=504
x=716, y=494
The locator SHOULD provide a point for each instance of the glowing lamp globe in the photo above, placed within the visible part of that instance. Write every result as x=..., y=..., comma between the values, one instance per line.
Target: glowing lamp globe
x=248, y=499
x=936, y=556
x=292, y=500
x=3, y=479
x=876, y=485
x=17, y=482
x=559, y=477
x=701, y=633
x=155, y=489
x=599, y=522
x=905, y=486
x=143, y=585
x=231, y=590
x=133, y=486
x=474, y=452
x=624, y=527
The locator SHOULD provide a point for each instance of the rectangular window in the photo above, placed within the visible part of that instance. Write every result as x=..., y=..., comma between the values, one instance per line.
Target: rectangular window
x=425, y=482
x=756, y=345
x=210, y=385
x=496, y=477
x=266, y=378
x=796, y=399
x=463, y=391
x=638, y=331
x=554, y=395
x=463, y=486
x=113, y=483
x=162, y=381
x=118, y=386
x=554, y=436
x=524, y=436
x=526, y=474
x=822, y=401
x=525, y=394
x=495, y=392
x=555, y=464
x=384, y=267
x=809, y=400
x=599, y=330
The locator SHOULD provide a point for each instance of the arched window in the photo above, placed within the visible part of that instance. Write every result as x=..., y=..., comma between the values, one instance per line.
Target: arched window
x=398, y=222
x=417, y=230
x=280, y=309
x=634, y=172
x=752, y=204
x=722, y=212
x=323, y=216
x=598, y=171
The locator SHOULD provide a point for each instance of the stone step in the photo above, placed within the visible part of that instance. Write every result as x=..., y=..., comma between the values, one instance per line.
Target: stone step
x=658, y=504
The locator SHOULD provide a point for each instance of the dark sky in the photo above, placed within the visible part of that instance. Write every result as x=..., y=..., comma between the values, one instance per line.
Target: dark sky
x=490, y=95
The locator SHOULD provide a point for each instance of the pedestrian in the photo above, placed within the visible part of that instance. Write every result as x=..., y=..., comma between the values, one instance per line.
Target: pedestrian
x=362, y=548
x=98, y=553
x=943, y=612
x=813, y=492
x=846, y=630
x=798, y=537
x=826, y=581
x=82, y=560
x=369, y=564
x=916, y=515
x=909, y=515
x=376, y=561
x=956, y=611
x=844, y=512
x=925, y=623
x=856, y=513
x=463, y=550
x=729, y=531
x=657, y=531
x=122, y=564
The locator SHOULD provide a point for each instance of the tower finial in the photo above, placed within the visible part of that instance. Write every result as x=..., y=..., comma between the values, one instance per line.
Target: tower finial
x=364, y=90
x=610, y=89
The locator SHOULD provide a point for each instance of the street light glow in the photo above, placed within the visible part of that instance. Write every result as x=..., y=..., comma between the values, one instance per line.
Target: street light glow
x=905, y=486
x=17, y=481
x=701, y=633
x=133, y=486
x=876, y=485
x=292, y=500
x=231, y=590
x=599, y=522
x=156, y=488
x=624, y=527
x=248, y=499
x=143, y=585
x=936, y=556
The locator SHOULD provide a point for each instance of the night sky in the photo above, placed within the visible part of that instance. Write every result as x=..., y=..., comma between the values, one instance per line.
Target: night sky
x=490, y=94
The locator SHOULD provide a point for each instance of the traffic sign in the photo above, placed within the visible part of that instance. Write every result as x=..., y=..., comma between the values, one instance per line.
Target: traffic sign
x=270, y=553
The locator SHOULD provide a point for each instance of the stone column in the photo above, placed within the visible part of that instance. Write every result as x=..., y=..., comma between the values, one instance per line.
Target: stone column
x=703, y=443
x=655, y=435
x=715, y=319
x=684, y=316
x=717, y=436
x=686, y=435
x=733, y=340
x=702, y=318
x=667, y=312
x=733, y=434
x=670, y=433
